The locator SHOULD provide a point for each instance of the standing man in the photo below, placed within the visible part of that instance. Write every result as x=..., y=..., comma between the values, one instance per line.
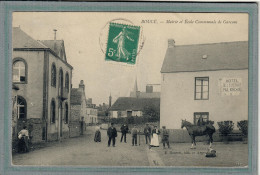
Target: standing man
x=112, y=134
x=165, y=137
x=124, y=130
x=147, y=133
x=134, y=135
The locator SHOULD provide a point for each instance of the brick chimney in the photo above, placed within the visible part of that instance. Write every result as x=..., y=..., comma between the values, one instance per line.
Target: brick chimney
x=171, y=43
x=55, y=44
x=81, y=85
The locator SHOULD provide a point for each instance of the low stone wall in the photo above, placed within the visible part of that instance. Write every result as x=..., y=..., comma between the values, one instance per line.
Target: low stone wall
x=52, y=136
x=74, y=130
x=34, y=126
x=182, y=136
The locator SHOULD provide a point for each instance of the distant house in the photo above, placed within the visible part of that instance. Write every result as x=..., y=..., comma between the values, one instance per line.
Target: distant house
x=204, y=80
x=78, y=110
x=43, y=76
x=92, y=114
x=130, y=106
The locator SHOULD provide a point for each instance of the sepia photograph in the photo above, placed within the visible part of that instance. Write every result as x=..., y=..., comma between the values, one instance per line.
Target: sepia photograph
x=130, y=89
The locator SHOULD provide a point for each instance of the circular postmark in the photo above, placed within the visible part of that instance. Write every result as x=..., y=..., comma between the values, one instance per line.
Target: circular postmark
x=121, y=40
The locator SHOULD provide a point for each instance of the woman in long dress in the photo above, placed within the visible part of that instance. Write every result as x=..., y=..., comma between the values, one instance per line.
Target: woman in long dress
x=155, y=137
x=97, y=137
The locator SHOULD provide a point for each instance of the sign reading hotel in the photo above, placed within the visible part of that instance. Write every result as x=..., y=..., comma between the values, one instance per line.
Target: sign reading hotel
x=230, y=86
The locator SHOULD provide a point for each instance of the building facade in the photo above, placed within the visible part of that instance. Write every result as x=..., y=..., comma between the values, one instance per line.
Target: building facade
x=206, y=80
x=130, y=106
x=78, y=110
x=92, y=115
x=43, y=76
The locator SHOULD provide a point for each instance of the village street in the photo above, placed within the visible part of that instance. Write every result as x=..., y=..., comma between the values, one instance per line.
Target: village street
x=84, y=151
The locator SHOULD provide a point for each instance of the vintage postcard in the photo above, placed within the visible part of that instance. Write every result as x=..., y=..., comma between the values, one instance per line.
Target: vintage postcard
x=131, y=89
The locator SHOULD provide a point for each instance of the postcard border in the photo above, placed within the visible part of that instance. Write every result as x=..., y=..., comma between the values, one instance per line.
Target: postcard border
x=6, y=9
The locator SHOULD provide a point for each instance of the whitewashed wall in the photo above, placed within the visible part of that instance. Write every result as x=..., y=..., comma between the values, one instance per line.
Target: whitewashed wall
x=177, y=98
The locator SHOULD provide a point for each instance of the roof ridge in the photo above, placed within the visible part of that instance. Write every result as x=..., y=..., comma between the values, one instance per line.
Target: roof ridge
x=211, y=43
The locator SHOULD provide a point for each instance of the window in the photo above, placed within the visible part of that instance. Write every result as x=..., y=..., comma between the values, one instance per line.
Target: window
x=60, y=82
x=21, y=108
x=67, y=82
x=201, y=88
x=201, y=118
x=53, y=75
x=53, y=111
x=19, y=71
x=66, y=113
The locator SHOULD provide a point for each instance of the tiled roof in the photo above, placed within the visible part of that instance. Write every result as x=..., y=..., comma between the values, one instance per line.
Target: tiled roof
x=137, y=104
x=75, y=97
x=206, y=57
x=146, y=95
x=22, y=40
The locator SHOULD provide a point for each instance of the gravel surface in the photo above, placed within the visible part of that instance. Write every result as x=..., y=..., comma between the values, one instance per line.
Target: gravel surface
x=84, y=151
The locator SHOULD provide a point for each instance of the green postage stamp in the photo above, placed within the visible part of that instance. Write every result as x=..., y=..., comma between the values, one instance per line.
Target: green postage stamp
x=122, y=44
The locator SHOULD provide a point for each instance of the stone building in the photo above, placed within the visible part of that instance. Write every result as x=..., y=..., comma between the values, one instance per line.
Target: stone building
x=130, y=106
x=204, y=80
x=43, y=76
x=78, y=110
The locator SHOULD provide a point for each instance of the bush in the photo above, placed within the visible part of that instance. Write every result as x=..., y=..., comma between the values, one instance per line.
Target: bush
x=225, y=127
x=243, y=127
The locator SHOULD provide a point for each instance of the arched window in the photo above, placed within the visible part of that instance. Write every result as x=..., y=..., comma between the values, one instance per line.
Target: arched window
x=53, y=111
x=60, y=82
x=21, y=108
x=53, y=75
x=19, y=71
x=67, y=82
x=66, y=113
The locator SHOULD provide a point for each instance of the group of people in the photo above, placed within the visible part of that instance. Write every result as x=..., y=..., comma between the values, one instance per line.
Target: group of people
x=151, y=135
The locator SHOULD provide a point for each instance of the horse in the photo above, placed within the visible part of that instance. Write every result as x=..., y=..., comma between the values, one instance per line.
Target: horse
x=195, y=130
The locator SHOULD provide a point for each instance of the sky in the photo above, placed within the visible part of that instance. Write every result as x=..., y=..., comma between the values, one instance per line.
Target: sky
x=85, y=35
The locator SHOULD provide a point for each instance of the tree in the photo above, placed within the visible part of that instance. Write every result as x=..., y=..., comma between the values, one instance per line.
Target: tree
x=152, y=112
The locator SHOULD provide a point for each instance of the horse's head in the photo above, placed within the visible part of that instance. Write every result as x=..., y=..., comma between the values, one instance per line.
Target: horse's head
x=182, y=123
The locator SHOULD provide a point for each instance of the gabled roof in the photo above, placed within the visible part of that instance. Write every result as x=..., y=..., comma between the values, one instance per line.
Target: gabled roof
x=22, y=40
x=57, y=46
x=75, y=96
x=136, y=104
x=217, y=56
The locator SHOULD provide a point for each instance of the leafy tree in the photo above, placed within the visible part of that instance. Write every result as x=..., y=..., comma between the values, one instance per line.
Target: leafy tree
x=152, y=112
x=225, y=127
x=243, y=127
